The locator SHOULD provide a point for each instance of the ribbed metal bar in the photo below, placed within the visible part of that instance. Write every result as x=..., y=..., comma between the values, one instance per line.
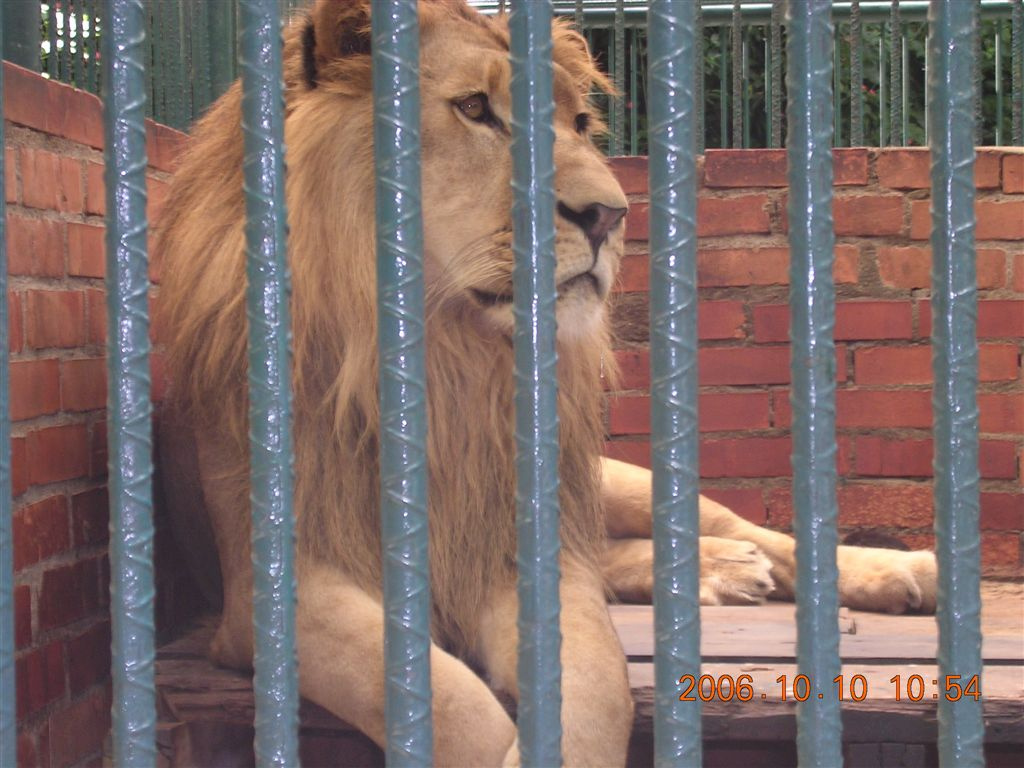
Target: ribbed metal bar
x=998, y=45
x=1017, y=65
x=723, y=91
x=8, y=705
x=883, y=85
x=403, y=452
x=673, y=238
x=776, y=100
x=64, y=49
x=856, y=78
x=895, y=75
x=129, y=411
x=904, y=91
x=955, y=366
x=270, y=415
x=746, y=89
x=619, y=73
x=837, y=81
x=812, y=308
x=976, y=72
x=736, y=41
x=698, y=76
x=634, y=66
x=537, y=513
x=51, y=39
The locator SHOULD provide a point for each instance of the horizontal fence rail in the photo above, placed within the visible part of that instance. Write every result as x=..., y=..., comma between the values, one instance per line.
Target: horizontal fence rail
x=880, y=64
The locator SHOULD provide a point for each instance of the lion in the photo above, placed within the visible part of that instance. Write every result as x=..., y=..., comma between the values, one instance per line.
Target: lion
x=605, y=505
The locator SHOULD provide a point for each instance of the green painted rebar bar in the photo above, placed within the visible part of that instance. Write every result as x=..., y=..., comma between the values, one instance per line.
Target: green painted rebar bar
x=723, y=91
x=1017, y=66
x=776, y=73
x=904, y=91
x=895, y=75
x=746, y=89
x=172, y=70
x=221, y=20
x=837, y=81
x=698, y=76
x=403, y=452
x=74, y=10
x=955, y=367
x=199, y=38
x=927, y=106
x=64, y=47
x=812, y=309
x=883, y=113
x=634, y=63
x=998, y=45
x=578, y=15
x=619, y=74
x=91, y=68
x=129, y=411
x=856, y=78
x=674, y=436
x=270, y=413
x=976, y=72
x=21, y=30
x=536, y=363
x=51, y=40
x=8, y=705
x=736, y=41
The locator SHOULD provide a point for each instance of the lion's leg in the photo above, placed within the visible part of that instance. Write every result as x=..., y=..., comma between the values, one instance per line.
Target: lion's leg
x=340, y=630
x=597, y=708
x=869, y=579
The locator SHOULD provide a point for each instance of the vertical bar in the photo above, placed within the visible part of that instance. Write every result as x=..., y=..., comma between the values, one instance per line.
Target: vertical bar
x=856, y=78
x=403, y=452
x=21, y=31
x=837, y=80
x=578, y=15
x=619, y=73
x=1017, y=64
x=74, y=10
x=976, y=69
x=768, y=93
x=91, y=69
x=65, y=45
x=221, y=18
x=927, y=105
x=776, y=33
x=634, y=46
x=883, y=112
x=673, y=233
x=537, y=513
x=270, y=437
x=698, y=76
x=955, y=367
x=999, y=81
x=905, y=91
x=736, y=40
x=895, y=74
x=8, y=705
x=812, y=308
x=199, y=38
x=129, y=409
x=723, y=106
x=51, y=40
x=746, y=88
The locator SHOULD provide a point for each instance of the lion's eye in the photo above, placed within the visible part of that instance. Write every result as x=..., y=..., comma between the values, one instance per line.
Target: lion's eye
x=582, y=122
x=476, y=108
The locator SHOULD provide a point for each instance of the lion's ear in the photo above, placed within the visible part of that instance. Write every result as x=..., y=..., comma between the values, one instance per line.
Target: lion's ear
x=338, y=29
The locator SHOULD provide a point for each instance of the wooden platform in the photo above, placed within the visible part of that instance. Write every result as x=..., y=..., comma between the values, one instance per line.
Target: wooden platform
x=206, y=712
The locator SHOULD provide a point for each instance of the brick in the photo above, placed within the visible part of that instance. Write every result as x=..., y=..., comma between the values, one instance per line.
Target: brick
x=83, y=384
x=40, y=678
x=86, y=250
x=996, y=220
x=54, y=319
x=1018, y=273
x=78, y=731
x=30, y=754
x=743, y=215
x=22, y=616
x=637, y=221
x=745, y=457
x=35, y=388
x=72, y=195
x=634, y=273
x=19, y=465
x=40, y=531
x=15, y=322
x=744, y=366
x=98, y=450
x=720, y=320
x=164, y=146
x=868, y=215
x=90, y=515
x=910, y=267
x=10, y=175
x=634, y=368
x=880, y=366
x=869, y=408
x=997, y=318
x=25, y=97
x=1013, y=174
x=855, y=321
x=95, y=189
x=96, y=307
x=881, y=457
x=41, y=179
x=631, y=173
x=631, y=415
x=1000, y=555
x=89, y=657
x=1001, y=413
x=58, y=453
x=748, y=503
x=911, y=169
x=731, y=168
x=1002, y=511
x=156, y=194
x=68, y=593
x=35, y=247
x=76, y=115
x=903, y=505
x=638, y=453
x=158, y=377
x=763, y=266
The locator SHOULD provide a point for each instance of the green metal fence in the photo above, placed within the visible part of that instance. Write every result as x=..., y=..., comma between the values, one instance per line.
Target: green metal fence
x=952, y=80
x=880, y=63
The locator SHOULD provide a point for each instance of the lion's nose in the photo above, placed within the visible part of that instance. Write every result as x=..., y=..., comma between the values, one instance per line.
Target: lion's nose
x=596, y=221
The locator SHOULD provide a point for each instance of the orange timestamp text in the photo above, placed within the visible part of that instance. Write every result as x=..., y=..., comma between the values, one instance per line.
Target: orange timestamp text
x=844, y=688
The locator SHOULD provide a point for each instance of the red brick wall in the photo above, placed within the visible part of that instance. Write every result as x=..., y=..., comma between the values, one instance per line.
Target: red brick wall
x=55, y=244
x=882, y=332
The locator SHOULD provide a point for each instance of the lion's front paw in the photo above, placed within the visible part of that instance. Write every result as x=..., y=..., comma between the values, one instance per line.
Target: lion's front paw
x=733, y=572
x=886, y=580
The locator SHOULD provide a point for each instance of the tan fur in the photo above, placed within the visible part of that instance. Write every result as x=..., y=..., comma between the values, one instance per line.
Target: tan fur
x=467, y=235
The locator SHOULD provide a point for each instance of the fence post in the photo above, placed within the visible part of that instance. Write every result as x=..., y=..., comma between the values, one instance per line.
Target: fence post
x=955, y=366
x=130, y=465
x=674, y=437
x=536, y=400
x=22, y=26
x=403, y=402
x=812, y=308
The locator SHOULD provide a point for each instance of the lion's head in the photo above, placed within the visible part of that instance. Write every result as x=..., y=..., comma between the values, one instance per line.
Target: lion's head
x=467, y=215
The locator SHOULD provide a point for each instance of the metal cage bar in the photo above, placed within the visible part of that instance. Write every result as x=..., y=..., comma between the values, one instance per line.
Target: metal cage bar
x=674, y=438
x=536, y=399
x=955, y=365
x=812, y=310
x=403, y=434
x=270, y=436
x=130, y=466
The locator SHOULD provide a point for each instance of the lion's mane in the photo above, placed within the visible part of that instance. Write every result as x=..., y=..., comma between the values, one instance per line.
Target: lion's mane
x=329, y=190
